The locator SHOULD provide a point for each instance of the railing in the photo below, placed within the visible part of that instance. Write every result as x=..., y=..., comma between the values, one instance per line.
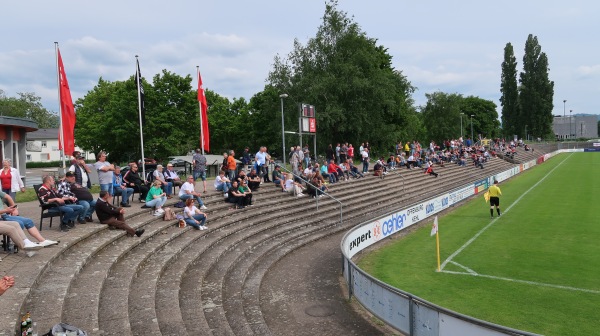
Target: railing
x=318, y=191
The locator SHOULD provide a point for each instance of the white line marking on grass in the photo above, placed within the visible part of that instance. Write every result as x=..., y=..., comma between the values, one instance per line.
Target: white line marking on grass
x=464, y=267
x=535, y=283
x=496, y=218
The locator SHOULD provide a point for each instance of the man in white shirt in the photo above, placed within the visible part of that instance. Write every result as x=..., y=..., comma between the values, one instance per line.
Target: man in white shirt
x=105, y=173
x=261, y=157
x=222, y=183
x=188, y=190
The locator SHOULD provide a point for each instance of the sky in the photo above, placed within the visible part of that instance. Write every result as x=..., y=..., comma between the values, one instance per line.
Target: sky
x=448, y=46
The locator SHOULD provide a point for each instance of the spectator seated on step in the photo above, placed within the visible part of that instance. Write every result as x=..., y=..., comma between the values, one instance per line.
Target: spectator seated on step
x=378, y=169
x=278, y=178
x=120, y=188
x=164, y=184
x=317, y=185
x=83, y=196
x=112, y=216
x=65, y=205
x=293, y=187
x=236, y=197
x=194, y=217
x=11, y=213
x=332, y=170
x=324, y=172
x=133, y=180
x=246, y=192
x=171, y=176
x=354, y=170
x=429, y=169
x=253, y=180
x=222, y=183
x=156, y=198
x=188, y=190
x=241, y=177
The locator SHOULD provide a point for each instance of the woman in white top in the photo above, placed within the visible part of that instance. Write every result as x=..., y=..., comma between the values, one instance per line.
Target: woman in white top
x=193, y=216
x=11, y=179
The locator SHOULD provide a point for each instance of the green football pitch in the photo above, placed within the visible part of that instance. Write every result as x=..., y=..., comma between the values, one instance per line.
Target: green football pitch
x=535, y=268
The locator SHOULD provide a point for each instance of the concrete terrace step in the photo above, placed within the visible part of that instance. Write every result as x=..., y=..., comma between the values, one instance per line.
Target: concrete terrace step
x=178, y=281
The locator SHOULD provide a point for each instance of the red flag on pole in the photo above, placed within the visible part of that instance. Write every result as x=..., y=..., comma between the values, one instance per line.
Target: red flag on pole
x=204, y=135
x=67, y=111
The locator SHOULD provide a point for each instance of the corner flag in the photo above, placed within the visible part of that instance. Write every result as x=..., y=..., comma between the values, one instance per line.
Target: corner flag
x=434, y=228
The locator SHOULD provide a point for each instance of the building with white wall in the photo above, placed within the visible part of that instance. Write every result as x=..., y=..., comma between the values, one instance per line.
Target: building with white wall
x=13, y=136
x=42, y=146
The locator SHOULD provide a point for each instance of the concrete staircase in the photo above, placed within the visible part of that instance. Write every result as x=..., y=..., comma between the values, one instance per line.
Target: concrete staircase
x=179, y=281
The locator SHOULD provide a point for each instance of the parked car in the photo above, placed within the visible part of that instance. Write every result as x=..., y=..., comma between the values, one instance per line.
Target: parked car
x=177, y=163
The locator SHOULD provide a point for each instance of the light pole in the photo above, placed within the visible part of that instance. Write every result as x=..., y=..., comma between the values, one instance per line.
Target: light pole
x=281, y=96
x=472, y=138
x=570, y=122
x=461, y=128
x=564, y=108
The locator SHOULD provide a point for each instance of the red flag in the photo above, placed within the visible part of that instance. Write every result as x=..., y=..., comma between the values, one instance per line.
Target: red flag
x=203, y=106
x=67, y=110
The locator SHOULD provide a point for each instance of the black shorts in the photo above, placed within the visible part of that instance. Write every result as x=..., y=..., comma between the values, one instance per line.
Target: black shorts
x=494, y=201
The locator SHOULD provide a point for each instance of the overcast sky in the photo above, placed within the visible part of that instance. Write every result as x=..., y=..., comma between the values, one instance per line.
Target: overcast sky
x=449, y=46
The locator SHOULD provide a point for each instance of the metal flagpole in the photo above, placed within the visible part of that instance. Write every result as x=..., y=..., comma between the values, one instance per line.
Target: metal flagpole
x=200, y=110
x=139, y=86
x=62, y=135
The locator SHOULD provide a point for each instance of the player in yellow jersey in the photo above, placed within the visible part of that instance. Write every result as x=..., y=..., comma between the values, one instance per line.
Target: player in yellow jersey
x=495, y=193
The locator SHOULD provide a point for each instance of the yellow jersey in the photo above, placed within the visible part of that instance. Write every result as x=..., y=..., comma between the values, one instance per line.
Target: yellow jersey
x=494, y=191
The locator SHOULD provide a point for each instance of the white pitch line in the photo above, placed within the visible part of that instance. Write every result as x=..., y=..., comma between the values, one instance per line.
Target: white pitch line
x=535, y=283
x=496, y=218
x=464, y=267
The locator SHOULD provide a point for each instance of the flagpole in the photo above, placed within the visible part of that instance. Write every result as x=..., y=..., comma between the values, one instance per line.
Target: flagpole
x=200, y=109
x=437, y=242
x=61, y=133
x=139, y=84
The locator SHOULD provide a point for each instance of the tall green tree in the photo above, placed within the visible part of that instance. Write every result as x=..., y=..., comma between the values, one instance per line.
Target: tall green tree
x=510, y=93
x=536, y=92
x=28, y=105
x=441, y=116
x=485, y=117
x=108, y=118
x=350, y=80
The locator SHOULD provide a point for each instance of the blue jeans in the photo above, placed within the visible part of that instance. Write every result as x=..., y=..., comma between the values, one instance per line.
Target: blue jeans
x=24, y=222
x=224, y=187
x=365, y=166
x=108, y=187
x=70, y=211
x=125, y=194
x=188, y=196
x=197, y=217
x=231, y=174
x=168, y=188
x=157, y=202
x=88, y=208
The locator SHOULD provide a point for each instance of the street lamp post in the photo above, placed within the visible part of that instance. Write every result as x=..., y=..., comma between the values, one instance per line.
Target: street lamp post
x=281, y=96
x=461, y=128
x=564, y=108
x=472, y=138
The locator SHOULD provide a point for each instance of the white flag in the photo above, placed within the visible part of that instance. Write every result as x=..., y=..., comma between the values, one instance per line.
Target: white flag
x=434, y=228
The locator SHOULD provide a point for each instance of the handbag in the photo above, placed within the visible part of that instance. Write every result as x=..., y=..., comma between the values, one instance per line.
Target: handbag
x=169, y=214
